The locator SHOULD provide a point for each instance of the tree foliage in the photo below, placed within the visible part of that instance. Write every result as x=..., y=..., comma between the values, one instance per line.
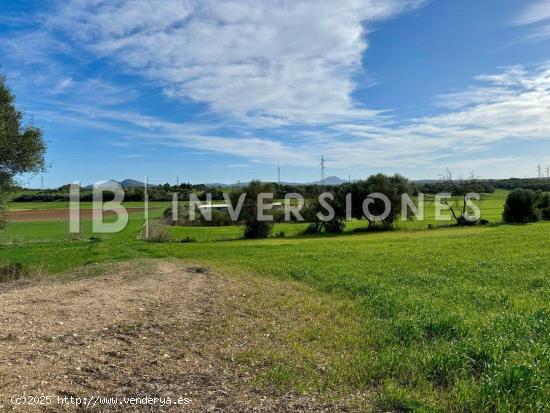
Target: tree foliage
x=315, y=210
x=393, y=187
x=22, y=148
x=521, y=207
x=254, y=227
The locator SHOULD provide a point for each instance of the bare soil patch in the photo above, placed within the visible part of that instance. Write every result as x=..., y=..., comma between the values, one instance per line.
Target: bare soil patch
x=36, y=215
x=143, y=328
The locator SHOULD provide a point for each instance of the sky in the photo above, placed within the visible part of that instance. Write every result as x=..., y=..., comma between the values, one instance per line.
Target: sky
x=223, y=91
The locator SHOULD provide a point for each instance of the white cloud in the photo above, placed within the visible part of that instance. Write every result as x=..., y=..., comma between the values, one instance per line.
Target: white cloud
x=536, y=15
x=510, y=106
x=63, y=84
x=271, y=62
x=541, y=33
x=238, y=165
x=537, y=11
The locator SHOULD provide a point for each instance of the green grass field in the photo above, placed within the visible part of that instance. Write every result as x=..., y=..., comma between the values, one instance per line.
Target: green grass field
x=447, y=319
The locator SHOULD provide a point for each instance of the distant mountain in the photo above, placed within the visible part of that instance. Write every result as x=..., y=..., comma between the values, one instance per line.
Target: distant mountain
x=330, y=180
x=132, y=183
x=127, y=183
x=218, y=184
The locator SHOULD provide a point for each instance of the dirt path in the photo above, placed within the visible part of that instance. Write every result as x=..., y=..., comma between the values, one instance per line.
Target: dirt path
x=135, y=329
x=138, y=331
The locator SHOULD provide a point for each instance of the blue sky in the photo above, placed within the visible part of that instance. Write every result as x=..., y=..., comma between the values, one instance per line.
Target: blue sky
x=220, y=91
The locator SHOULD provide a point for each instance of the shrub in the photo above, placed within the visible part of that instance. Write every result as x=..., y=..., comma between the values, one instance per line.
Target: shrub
x=543, y=200
x=257, y=229
x=157, y=233
x=11, y=272
x=336, y=226
x=520, y=207
x=314, y=228
x=218, y=218
x=543, y=204
x=545, y=214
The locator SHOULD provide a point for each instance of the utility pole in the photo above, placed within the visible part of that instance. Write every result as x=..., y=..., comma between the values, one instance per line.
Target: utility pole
x=177, y=180
x=548, y=171
x=323, y=170
x=540, y=171
x=278, y=174
x=42, y=182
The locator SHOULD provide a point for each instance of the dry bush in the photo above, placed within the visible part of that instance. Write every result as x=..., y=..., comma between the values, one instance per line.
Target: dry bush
x=157, y=233
x=11, y=272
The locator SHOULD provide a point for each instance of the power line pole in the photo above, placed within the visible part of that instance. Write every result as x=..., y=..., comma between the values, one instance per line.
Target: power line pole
x=323, y=170
x=177, y=180
x=42, y=182
x=548, y=171
x=540, y=171
x=278, y=174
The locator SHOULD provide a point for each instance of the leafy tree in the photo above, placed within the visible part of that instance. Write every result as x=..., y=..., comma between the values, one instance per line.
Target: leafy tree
x=521, y=207
x=314, y=208
x=22, y=147
x=393, y=187
x=545, y=214
x=543, y=200
x=254, y=227
x=543, y=204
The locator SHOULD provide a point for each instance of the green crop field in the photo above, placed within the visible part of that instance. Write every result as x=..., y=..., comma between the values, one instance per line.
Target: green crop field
x=445, y=319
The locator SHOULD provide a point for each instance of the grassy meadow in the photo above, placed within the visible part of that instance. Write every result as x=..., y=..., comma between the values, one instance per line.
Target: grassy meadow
x=441, y=319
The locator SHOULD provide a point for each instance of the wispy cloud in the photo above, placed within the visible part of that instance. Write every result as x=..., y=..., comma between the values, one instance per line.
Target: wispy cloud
x=510, y=106
x=133, y=156
x=238, y=165
x=265, y=63
x=536, y=15
x=535, y=12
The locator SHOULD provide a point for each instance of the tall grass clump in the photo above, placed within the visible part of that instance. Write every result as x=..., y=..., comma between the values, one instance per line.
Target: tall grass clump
x=11, y=272
x=157, y=233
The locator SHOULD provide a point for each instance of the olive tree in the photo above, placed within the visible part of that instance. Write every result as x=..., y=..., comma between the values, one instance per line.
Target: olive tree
x=255, y=214
x=326, y=212
x=364, y=198
x=22, y=147
x=465, y=188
